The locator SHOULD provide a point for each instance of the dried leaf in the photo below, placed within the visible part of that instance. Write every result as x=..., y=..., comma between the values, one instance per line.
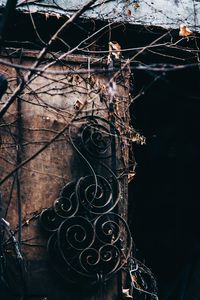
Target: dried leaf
x=185, y=31
x=114, y=49
x=70, y=78
x=131, y=175
x=78, y=105
x=134, y=280
x=129, y=13
x=46, y=15
x=136, y=5
x=126, y=294
x=58, y=16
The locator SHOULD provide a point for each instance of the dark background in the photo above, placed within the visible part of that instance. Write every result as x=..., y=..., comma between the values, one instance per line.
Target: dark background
x=164, y=197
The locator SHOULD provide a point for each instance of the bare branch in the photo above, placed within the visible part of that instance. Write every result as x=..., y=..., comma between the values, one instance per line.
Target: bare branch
x=20, y=87
x=45, y=146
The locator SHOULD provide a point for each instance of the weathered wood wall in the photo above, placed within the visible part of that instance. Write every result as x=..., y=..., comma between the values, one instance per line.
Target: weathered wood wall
x=43, y=109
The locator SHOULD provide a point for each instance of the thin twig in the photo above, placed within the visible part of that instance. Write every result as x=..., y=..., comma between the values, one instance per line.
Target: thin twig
x=41, y=55
x=45, y=146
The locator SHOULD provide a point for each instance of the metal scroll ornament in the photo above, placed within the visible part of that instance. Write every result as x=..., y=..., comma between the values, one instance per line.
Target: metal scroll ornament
x=88, y=240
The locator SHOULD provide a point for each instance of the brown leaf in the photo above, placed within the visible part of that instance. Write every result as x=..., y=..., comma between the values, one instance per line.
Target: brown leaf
x=129, y=13
x=131, y=175
x=78, y=105
x=185, y=31
x=136, y=5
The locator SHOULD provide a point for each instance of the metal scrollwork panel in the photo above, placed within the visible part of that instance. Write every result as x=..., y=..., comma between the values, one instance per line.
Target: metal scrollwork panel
x=92, y=250
x=88, y=239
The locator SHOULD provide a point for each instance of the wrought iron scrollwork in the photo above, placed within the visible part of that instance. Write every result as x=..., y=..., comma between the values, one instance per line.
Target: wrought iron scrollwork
x=97, y=197
x=67, y=204
x=49, y=220
x=97, y=135
x=88, y=239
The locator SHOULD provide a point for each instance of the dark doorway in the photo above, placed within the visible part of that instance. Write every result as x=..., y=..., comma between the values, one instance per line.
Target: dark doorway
x=164, y=197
